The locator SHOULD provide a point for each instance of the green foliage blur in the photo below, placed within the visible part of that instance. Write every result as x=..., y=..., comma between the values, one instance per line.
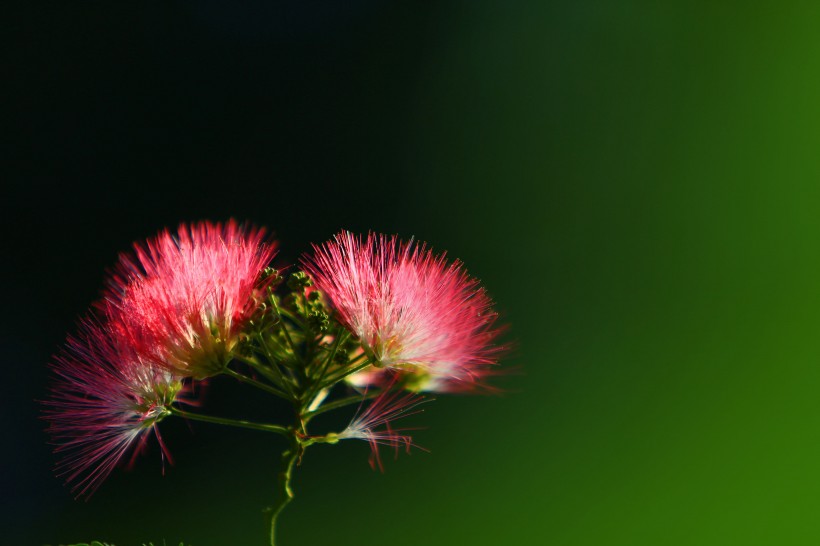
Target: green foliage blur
x=636, y=185
x=97, y=543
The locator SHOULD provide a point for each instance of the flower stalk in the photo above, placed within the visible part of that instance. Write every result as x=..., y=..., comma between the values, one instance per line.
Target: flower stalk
x=253, y=382
x=289, y=459
x=240, y=423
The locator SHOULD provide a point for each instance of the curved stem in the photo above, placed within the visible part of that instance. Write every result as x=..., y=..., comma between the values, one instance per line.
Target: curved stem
x=231, y=422
x=289, y=459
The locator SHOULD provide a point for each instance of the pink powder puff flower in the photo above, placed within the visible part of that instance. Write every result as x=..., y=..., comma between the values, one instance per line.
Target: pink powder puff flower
x=385, y=408
x=190, y=294
x=105, y=401
x=412, y=311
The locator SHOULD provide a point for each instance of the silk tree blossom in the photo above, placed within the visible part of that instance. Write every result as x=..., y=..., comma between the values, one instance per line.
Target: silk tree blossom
x=373, y=425
x=389, y=317
x=413, y=312
x=105, y=402
x=191, y=293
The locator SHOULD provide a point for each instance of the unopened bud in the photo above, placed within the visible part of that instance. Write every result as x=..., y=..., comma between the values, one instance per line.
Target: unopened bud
x=299, y=281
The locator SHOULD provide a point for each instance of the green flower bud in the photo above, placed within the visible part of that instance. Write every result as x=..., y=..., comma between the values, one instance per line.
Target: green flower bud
x=299, y=281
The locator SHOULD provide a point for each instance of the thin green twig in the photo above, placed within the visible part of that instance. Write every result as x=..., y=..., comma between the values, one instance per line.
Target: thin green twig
x=230, y=422
x=258, y=384
x=289, y=458
x=345, y=373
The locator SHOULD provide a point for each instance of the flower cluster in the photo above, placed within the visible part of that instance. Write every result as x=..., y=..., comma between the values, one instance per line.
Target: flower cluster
x=388, y=318
x=105, y=399
x=172, y=309
x=189, y=295
x=373, y=424
x=413, y=312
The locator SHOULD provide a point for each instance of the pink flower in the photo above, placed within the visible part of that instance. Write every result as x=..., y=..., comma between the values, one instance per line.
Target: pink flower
x=190, y=294
x=412, y=311
x=105, y=401
x=387, y=407
x=369, y=377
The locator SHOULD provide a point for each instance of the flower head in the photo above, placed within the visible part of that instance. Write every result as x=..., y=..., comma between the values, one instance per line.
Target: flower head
x=189, y=294
x=373, y=424
x=412, y=311
x=105, y=401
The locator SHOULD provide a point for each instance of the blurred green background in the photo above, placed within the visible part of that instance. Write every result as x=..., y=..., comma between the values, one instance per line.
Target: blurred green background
x=635, y=184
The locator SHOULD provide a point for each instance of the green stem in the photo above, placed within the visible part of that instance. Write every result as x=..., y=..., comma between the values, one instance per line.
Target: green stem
x=231, y=422
x=258, y=384
x=330, y=438
x=342, y=402
x=340, y=338
x=282, y=325
x=289, y=459
x=350, y=371
x=258, y=366
x=296, y=320
x=280, y=377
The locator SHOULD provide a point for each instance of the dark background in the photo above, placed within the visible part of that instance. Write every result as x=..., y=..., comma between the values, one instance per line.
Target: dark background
x=635, y=184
